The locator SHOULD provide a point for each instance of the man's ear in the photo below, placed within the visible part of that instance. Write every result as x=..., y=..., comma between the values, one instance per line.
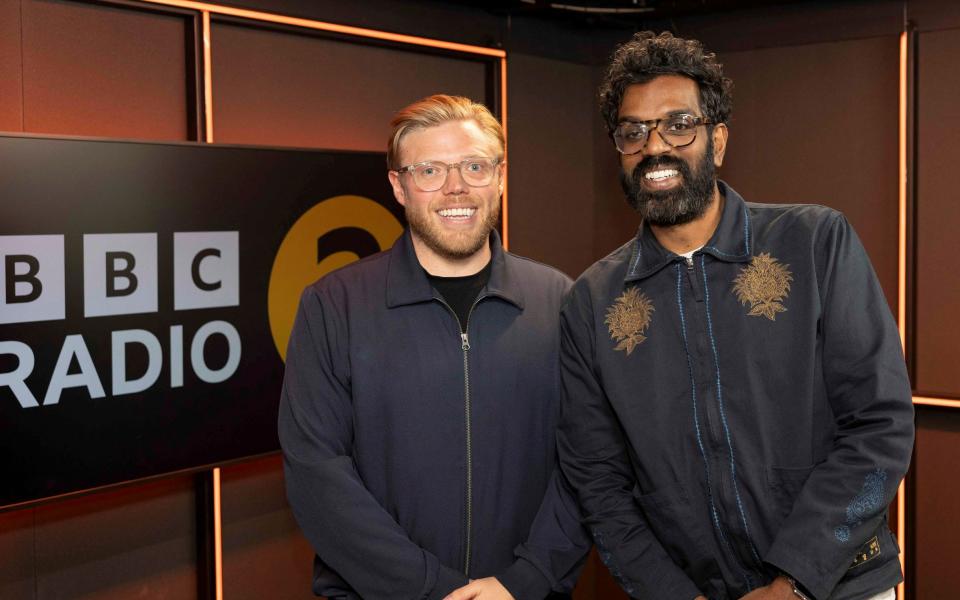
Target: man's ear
x=720, y=135
x=398, y=192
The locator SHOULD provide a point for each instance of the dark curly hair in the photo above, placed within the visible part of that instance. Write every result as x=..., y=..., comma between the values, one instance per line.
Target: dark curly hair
x=647, y=56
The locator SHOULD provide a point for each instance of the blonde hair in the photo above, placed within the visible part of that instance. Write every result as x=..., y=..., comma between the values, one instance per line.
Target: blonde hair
x=436, y=110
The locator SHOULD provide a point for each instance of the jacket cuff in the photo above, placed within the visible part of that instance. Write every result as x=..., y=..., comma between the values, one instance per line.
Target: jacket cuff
x=524, y=581
x=447, y=581
x=807, y=576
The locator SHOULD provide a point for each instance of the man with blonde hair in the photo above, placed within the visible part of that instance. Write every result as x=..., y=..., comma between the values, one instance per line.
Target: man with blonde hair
x=421, y=394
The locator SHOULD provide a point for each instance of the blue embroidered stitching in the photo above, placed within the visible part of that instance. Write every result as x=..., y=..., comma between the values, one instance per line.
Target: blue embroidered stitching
x=696, y=423
x=607, y=559
x=864, y=505
x=636, y=258
x=746, y=230
x=746, y=239
x=723, y=412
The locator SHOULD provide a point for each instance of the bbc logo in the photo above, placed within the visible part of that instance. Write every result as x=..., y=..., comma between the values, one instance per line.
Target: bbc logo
x=120, y=275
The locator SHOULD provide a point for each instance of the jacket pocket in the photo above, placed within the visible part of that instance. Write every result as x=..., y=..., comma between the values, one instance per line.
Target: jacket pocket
x=784, y=485
x=680, y=532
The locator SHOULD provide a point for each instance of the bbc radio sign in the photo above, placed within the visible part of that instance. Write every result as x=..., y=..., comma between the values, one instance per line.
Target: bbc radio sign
x=146, y=295
x=119, y=278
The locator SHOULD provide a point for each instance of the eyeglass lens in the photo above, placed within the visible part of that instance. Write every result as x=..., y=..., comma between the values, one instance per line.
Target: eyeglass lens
x=675, y=131
x=476, y=172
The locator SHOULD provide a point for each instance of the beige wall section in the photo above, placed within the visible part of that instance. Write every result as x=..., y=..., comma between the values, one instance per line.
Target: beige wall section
x=98, y=71
x=818, y=124
x=11, y=100
x=284, y=89
x=264, y=553
x=938, y=214
x=551, y=158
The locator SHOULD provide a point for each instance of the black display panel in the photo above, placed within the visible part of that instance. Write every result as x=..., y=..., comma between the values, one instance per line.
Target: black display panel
x=146, y=296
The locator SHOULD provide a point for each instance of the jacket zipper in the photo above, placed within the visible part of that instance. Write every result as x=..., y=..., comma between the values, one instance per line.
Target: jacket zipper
x=465, y=347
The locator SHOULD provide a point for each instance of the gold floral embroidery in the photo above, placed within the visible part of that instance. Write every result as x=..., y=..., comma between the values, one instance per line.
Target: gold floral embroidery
x=765, y=285
x=628, y=318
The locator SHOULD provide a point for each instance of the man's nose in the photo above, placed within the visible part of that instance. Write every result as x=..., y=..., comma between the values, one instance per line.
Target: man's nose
x=655, y=144
x=454, y=183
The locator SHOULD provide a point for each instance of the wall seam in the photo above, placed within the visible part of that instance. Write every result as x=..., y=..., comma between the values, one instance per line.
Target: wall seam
x=22, y=107
x=36, y=586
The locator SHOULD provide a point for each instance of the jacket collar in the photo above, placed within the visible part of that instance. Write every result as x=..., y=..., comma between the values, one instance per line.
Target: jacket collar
x=407, y=282
x=731, y=242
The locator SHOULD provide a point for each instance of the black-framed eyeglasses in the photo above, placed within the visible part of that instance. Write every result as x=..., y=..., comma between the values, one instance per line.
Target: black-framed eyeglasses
x=676, y=131
x=431, y=175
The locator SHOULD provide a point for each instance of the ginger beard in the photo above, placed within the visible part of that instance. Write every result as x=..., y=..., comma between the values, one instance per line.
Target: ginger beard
x=453, y=244
x=683, y=204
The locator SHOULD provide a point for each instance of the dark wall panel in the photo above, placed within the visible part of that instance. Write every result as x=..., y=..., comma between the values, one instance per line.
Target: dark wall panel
x=16, y=554
x=936, y=528
x=135, y=542
x=551, y=162
x=818, y=124
x=11, y=100
x=264, y=553
x=98, y=71
x=615, y=221
x=938, y=214
x=298, y=90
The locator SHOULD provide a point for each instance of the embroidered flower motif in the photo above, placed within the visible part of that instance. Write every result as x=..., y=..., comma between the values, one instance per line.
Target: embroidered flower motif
x=628, y=318
x=765, y=285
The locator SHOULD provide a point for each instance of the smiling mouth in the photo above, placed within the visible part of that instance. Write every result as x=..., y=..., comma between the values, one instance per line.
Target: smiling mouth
x=661, y=174
x=456, y=213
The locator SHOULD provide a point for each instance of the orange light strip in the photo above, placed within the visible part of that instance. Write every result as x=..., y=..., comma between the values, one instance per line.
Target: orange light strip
x=331, y=27
x=217, y=535
x=936, y=402
x=902, y=288
x=503, y=119
x=901, y=533
x=207, y=79
x=902, y=241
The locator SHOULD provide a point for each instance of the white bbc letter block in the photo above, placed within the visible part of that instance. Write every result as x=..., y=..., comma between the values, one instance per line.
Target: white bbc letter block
x=32, y=284
x=206, y=269
x=119, y=274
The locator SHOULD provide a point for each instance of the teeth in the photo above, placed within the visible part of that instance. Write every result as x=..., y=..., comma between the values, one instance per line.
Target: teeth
x=457, y=212
x=662, y=174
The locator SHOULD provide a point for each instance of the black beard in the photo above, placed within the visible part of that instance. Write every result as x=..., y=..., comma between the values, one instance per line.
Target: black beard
x=683, y=204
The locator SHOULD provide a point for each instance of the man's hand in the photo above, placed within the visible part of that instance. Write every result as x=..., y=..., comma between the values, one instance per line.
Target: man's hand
x=487, y=588
x=779, y=589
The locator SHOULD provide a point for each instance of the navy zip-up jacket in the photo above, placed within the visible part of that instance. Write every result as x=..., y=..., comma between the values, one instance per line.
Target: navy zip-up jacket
x=415, y=457
x=739, y=414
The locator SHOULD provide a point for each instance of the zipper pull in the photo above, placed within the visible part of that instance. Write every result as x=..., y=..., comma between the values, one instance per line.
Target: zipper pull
x=464, y=342
x=689, y=260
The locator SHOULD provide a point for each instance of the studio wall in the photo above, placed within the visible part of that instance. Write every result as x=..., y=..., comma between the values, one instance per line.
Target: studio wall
x=815, y=120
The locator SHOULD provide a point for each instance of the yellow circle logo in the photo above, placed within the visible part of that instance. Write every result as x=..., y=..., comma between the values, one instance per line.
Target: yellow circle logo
x=333, y=233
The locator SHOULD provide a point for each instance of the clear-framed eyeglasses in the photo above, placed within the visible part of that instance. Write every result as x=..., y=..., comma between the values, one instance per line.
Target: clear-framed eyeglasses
x=431, y=175
x=676, y=131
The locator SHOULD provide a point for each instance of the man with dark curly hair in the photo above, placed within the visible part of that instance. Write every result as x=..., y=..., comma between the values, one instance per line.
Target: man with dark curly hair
x=737, y=414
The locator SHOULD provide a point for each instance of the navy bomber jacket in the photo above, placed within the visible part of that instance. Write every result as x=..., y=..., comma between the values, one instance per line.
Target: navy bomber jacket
x=415, y=457
x=741, y=414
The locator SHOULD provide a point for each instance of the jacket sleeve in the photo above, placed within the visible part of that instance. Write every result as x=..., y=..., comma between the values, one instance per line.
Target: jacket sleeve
x=593, y=455
x=344, y=523
x=555, y=550
x=844, y=500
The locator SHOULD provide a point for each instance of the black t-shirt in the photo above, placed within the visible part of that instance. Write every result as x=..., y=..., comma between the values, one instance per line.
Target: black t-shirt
x=461, y=292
